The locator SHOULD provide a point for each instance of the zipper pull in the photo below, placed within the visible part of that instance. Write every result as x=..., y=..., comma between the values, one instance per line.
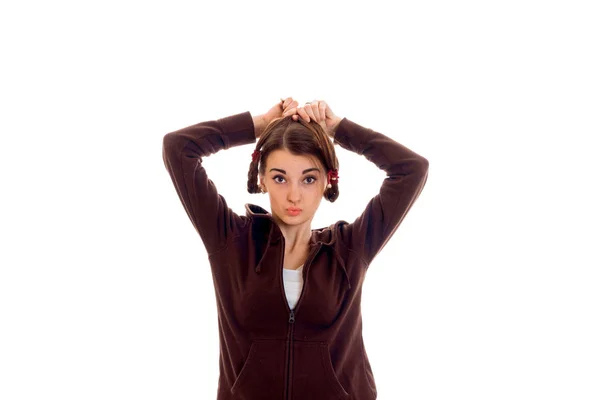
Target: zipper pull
x=292, y=319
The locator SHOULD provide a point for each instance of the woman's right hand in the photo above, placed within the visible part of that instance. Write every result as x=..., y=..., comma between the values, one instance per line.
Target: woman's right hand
x=320, y=112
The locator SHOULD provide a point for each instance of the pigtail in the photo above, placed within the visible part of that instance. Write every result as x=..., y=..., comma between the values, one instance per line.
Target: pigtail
x=332, y=194
x=253, y=173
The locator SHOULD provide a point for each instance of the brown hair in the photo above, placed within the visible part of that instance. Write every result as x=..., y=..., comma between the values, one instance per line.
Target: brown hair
x=299, y=138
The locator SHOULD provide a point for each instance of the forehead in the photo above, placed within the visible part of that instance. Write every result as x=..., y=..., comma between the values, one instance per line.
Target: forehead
x=291, y=163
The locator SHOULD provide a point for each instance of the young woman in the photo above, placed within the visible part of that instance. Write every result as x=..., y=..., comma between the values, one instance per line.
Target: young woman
x=288, y=296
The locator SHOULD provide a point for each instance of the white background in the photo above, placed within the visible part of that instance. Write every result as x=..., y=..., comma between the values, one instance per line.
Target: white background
x=488, y=290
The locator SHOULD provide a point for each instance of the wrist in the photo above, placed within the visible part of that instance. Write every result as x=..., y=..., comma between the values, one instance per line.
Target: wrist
x=337, y=123
x=259, y=124
x=335, y=126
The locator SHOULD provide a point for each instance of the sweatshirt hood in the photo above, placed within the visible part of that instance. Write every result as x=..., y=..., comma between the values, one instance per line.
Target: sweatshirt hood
x=262, y=221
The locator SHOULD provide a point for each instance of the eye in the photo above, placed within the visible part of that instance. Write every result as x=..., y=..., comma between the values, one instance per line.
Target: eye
x=314, y=178
x=311, y=179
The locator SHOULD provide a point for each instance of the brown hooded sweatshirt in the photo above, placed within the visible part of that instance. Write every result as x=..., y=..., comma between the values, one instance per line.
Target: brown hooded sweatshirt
x=316, y=350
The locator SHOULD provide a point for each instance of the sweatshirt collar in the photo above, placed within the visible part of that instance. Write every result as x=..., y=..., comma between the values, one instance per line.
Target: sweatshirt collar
x=323, y=236
x=259, y=215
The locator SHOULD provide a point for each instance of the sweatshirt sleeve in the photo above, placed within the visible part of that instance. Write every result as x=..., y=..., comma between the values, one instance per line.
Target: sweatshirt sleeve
x=407, y=173
x=183, y=151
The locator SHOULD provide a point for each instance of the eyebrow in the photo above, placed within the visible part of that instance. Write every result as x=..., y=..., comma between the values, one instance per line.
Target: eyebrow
x=303, y=172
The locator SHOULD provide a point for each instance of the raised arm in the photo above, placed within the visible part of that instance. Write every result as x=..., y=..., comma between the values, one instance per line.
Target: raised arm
x=183, y=151
x=406, y=176
x=407, y=173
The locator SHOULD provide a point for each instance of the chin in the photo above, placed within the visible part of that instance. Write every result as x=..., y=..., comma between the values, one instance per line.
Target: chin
x=291, y=220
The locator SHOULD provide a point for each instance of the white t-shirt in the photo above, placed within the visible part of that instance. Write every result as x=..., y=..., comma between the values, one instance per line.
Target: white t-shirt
x=292, y=282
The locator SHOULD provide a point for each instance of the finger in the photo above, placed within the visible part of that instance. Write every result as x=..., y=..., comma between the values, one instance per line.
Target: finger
x=322, y=109
x=289, y=111
x=315, y=109
x=290, y=105
x=291, y=108
x=287, y=101
x=329, y=112
x=315, y=106
x=302, y=113
x=310, y=112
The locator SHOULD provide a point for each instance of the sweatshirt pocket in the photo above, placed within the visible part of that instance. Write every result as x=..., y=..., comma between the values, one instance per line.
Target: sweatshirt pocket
x=263, y=374
x=313, y=373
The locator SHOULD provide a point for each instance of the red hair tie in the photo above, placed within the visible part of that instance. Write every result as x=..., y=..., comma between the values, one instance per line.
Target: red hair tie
x=332, y=175
x=255, y=155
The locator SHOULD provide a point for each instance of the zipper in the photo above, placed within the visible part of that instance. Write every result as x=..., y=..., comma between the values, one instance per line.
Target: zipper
x=292, y=318
x=288, y=378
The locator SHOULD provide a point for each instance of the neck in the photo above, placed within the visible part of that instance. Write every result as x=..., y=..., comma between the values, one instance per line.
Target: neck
x=297, y=237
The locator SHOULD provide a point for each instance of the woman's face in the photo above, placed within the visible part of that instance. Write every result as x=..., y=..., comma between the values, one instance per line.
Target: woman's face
x=296, y=182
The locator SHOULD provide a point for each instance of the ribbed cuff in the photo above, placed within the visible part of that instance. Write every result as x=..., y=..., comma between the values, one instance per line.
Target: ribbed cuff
x=238, y=129
x=351, y=135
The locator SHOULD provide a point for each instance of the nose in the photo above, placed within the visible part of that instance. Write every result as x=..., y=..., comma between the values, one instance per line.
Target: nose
x=294, y=193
